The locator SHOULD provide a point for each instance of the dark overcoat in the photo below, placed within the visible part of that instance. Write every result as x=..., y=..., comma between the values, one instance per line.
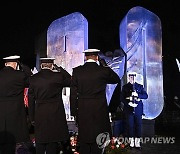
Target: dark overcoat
x=88, y=99
x=46, y=106
x=13, y=118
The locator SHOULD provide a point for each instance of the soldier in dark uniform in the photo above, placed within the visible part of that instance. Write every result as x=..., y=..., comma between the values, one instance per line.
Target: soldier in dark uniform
x=46, y=108
x=88, y=101
x=13, y=118
x=132, y=93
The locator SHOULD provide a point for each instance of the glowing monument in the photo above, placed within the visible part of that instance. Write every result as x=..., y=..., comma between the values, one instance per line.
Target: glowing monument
x=141, y=39
x=66, y=39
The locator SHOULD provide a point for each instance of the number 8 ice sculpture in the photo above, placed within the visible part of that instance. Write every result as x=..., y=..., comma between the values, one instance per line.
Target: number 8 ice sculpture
x=140, y=38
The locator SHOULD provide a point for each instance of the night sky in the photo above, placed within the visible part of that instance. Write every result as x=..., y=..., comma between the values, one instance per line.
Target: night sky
x=23, y=22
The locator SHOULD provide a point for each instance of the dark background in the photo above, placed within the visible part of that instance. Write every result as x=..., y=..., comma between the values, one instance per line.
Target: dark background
x=23, y=22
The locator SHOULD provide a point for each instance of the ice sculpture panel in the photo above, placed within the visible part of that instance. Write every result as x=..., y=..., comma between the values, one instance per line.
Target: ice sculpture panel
x=141, y=39
x=66, y=39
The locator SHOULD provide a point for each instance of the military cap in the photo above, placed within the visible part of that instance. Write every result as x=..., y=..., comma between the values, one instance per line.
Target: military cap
x=89, y=52
x=14, y=58
x=47, y=60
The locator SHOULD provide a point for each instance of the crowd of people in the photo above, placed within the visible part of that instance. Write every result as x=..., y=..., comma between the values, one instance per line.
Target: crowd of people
x=46, y=111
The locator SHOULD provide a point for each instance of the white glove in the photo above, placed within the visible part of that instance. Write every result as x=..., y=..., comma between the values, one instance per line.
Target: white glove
x=130, y=98
x=135, y=94
x=132, y=104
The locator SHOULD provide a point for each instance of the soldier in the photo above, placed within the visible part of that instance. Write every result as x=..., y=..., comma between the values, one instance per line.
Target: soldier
x=46, y=108
x=132, y=93
x=13, y=118
x=88, y=101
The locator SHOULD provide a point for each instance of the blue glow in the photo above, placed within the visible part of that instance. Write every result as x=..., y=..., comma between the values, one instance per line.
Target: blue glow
x=67, y=37
x=141, y=39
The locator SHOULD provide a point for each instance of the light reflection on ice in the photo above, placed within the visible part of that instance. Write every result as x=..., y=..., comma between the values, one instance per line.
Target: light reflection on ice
x=66, y=39
x=141, y=39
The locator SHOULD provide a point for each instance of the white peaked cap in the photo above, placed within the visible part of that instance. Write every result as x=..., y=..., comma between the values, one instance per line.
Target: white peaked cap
x=11, y=58
x=47, y=60
x=91, y=50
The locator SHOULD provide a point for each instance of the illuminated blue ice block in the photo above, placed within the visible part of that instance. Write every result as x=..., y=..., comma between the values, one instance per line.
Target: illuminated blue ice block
x=67, y=37
x=141, y=38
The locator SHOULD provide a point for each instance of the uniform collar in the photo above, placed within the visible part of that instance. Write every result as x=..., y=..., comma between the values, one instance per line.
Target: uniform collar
x=90, y=60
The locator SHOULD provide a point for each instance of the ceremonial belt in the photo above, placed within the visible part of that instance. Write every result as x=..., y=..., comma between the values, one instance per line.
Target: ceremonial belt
x=52, y=100
x=136, y=99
